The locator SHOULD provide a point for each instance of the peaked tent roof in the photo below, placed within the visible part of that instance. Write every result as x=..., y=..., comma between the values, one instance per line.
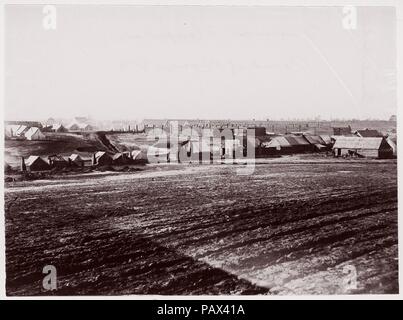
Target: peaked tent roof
x=22, y=129
x=32, y=159
x=75, y=157
x=392, y=142
x=280, y=141
x=118, y=155
x=100, y=154
x=139, y=155
x=31, y=131
x=314, y=139
x=57, y=126
x=296, y=140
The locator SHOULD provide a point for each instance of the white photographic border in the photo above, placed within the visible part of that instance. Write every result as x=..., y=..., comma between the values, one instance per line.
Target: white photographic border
x=398, y=4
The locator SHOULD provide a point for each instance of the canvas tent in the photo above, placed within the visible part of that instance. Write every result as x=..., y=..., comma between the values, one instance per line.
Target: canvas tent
x=121, y=158
x=56, y=161
x=36, y=163
x=11, y=130
x=77, y=160
x=34, y=133
x=21, y=130
x=58, y=127
x=101, y=158
x=139, y=156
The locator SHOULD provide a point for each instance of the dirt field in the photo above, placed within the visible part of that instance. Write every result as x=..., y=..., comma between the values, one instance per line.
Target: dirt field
x=293, y=227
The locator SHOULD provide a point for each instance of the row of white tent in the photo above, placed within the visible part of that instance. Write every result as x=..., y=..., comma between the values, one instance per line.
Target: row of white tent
x=21, y=131
x=24, y=132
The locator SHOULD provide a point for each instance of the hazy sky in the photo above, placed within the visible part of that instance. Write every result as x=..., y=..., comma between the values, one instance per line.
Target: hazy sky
x=131, y=62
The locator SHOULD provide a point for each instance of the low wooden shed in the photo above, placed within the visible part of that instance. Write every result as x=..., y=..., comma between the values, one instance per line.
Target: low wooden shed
x=362, y=147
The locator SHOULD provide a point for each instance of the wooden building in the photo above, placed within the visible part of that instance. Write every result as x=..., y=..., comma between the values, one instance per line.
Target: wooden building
x=368, y=133
x=362, y=147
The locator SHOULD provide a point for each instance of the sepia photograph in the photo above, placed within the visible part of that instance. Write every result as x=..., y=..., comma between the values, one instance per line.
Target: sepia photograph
x=200, y=150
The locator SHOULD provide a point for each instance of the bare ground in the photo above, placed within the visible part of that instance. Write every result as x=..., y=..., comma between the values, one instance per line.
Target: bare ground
x=290, y=228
